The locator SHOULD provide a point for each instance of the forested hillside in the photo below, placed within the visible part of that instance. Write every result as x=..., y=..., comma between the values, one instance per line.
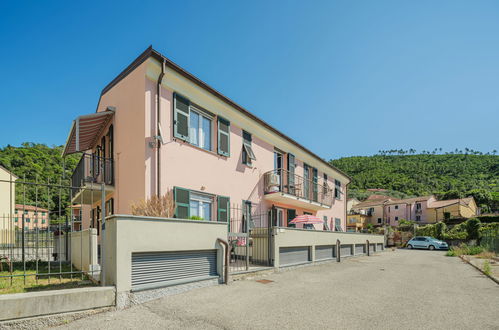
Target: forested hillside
x=43, y=164
x=446, y=175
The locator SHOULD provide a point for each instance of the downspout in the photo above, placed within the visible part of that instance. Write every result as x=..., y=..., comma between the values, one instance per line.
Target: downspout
x=158, y=139
x=346, y=202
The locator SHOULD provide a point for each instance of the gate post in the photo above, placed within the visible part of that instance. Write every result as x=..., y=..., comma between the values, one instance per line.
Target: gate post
x=368, y=252
x=103, y=234
x=338, y=253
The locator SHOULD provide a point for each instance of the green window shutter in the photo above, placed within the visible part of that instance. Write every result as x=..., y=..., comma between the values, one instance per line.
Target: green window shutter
x=182, y=198
x=181, y=117
x=223, y=205
x=223, y=137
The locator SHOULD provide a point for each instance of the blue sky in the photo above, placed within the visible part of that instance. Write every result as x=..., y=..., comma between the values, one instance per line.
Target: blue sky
x=341, y=77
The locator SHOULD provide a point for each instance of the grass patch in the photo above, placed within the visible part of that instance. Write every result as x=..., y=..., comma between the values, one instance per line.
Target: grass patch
x=464, y=249
x=486, y=268
x=29, y=281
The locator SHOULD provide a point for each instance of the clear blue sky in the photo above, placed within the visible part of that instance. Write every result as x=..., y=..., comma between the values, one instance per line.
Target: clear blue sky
x=341, y=77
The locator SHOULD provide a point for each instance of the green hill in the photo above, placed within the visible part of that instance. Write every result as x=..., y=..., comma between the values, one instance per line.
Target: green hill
x=446, y=175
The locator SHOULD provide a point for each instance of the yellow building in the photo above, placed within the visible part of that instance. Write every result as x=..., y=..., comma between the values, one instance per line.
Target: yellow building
x=451, y=209
x=7, y=206
x=356, y=222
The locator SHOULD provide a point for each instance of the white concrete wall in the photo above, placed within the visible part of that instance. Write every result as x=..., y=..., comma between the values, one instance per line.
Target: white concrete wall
x=84, y=249
x=126, y=234
x=289, y=237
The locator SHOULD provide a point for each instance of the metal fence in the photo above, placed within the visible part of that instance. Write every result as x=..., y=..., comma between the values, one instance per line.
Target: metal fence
x=36, y=227
x=249, y=239
x=490, y=239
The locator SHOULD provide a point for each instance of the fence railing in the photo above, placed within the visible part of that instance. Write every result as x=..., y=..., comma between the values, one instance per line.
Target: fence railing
x=284, y=181
x=40, y=254
x=490, y=239
x=94, y=169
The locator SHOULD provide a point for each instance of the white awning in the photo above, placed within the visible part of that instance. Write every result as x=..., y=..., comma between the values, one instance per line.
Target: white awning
x=85, y=130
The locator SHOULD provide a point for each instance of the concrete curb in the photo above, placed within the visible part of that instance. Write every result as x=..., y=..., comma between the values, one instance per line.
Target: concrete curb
x=479, y=269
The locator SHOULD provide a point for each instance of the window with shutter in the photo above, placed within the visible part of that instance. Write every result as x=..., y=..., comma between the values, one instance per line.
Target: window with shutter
x=337, y=189
x=248, y=154
x=182, y=199
x=181, y=117
x=223, y=137
x=315, y=188
x=291, y=173
x=223, y=204
x=326, y=226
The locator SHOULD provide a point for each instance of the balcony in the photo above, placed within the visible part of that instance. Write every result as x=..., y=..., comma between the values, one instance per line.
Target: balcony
x=281, y=186
x=91, y=172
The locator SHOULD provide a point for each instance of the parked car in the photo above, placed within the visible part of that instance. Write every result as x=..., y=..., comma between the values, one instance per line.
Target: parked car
x=426, y=242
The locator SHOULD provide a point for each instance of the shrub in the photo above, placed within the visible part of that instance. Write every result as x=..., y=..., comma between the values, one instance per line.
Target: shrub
x=155, y=206
x=440, y=229
x=472, y=228
x=195, y=217
x=486, y=268
x=464, y=249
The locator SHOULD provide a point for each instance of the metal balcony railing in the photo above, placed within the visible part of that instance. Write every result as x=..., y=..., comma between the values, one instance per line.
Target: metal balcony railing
x=282, y=180
x=93, y=169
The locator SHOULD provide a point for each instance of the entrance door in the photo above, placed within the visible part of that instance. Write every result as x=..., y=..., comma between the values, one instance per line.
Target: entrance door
x=279, y=219
x=291, y=216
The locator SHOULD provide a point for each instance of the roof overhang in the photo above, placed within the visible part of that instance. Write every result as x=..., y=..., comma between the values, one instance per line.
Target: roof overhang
x=85, y=130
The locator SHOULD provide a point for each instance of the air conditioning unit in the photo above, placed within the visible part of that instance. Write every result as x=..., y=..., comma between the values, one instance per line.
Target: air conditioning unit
x=273, y=183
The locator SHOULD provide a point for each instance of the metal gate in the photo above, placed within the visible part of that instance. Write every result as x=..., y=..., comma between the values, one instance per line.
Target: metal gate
x=346, y=250
x=379, y=247
x=372, y=247
x=157, y=269
x=250, y=239
x=324, y=252
x=293, y=255
x=360, y=249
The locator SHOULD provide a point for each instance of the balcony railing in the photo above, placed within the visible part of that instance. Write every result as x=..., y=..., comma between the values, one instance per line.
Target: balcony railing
x=283, y=181
x=93, y=169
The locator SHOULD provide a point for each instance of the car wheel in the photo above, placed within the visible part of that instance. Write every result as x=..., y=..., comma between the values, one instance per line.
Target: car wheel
x=409, y=246
x=431, y=247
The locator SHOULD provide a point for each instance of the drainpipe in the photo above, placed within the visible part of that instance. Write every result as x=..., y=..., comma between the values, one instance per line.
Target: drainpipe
x=158, y=113
x=346, y=202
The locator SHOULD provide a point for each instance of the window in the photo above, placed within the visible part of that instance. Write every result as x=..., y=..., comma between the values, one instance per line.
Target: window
x=418, y=218
x=199, y=130
x=200, y=206
x=26, y=212
x=35, y=221
x=248, y=154
x=353, y=220
x=306, y=181
x=43, y=213
x=446, y=215
x=27, y=219
x=396, y=207
x=308, y=226
x=326, y=226
x=396, y=218
x=379, y=220
x=246, y=216
x=324, y=187
x=43, y=221
x=15, y=211
x=16, y=219
x=223, y=137
x=388, y=208
x=337, y=189
x=337, y=224
x=291, y=216
x=418, y=206
x=315, y=188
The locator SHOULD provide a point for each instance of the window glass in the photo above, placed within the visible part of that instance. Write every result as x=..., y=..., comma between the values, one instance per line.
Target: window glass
x=200, y=206
x=206, y=134
x=194, y=128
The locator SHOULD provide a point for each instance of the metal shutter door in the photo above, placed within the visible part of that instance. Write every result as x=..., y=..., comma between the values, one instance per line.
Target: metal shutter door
x=346, y=250
x=372, y=247
x=379, y=247
x=156, y=269
x=293, y=255
x=360, y=248
x=324, y=252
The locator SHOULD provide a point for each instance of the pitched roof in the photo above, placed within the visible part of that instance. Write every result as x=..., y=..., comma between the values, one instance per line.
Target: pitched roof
x=371, y=203
x=376, y=196
x=411, y=200
x=30, y=208
x=464, y=201
x=150, y=52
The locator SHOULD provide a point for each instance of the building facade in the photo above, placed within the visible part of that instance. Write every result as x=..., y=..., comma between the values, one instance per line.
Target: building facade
x=30, y=217
x=160, y=130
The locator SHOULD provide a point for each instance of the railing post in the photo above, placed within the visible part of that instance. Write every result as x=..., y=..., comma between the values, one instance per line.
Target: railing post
x=103, y=233
x=338, y=249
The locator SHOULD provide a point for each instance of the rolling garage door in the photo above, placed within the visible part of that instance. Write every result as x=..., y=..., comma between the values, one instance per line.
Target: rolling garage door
x=360, y=249
x=346, y=250
x=379, y=247
x=324, y=252
x=293, y=255
x=372, y=248
x=157, y=269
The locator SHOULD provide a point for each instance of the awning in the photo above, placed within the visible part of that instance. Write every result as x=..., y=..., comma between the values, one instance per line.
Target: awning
x=85, y=130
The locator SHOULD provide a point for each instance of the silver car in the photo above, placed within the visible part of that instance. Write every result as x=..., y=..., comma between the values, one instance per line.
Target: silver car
x=426, y=242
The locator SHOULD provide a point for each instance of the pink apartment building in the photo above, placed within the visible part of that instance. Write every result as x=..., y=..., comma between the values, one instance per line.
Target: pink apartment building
x=32, y=217
x=158, y=128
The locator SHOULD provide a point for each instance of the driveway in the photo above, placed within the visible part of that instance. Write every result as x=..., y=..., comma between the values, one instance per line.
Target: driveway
x=405, y=289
